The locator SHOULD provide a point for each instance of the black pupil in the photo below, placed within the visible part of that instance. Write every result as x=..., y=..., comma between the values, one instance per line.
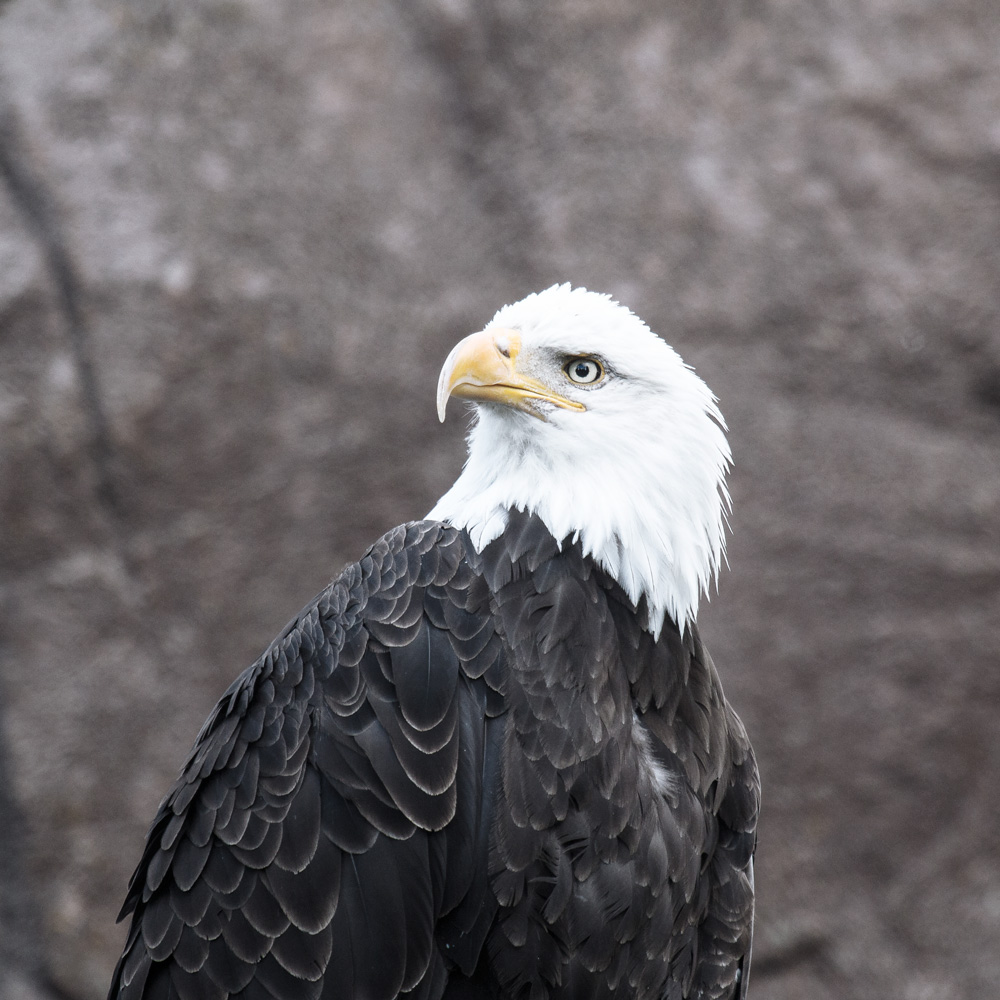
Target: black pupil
x=583, y=369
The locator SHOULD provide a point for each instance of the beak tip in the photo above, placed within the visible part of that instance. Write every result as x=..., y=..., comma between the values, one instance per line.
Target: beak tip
x=443, y=389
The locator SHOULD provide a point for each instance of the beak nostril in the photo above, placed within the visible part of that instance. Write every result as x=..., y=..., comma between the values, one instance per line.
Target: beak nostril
x=503, y=346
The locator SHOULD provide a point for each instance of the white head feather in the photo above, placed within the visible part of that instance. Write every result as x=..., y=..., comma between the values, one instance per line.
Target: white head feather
x=638, y=477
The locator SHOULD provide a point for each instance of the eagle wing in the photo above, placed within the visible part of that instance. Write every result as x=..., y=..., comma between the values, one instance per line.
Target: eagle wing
x=327, y=834
x=700, y=740
x=622, y=854
x=725, y=935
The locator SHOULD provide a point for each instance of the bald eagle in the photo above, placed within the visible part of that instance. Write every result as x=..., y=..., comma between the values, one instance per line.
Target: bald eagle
x=493, y=758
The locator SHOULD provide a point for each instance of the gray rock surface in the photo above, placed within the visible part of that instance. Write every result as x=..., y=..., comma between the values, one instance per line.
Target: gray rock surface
x=262, y=224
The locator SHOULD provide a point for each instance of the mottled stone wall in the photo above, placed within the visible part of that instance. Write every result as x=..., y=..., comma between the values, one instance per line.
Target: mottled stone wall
x=237, y=238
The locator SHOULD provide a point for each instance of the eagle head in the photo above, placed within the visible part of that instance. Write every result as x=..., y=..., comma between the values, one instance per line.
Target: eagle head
x=587, y=418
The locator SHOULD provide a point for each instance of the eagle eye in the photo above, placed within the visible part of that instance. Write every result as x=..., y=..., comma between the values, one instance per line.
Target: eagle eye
x=584, y=371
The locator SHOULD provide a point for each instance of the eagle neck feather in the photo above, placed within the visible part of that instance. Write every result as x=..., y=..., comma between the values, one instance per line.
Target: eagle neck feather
x=650, y=508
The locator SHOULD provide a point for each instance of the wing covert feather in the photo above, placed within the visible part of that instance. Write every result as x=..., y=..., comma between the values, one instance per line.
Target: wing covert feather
x=316, y=842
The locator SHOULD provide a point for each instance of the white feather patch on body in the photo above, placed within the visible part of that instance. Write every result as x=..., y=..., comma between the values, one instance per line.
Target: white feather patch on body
x=664, y=783
x=639, y=478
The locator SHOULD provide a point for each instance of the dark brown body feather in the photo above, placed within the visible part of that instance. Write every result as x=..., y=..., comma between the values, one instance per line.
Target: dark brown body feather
x=463, y=776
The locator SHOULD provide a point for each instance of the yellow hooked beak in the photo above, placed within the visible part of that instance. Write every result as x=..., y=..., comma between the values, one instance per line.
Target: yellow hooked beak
x=484, y=367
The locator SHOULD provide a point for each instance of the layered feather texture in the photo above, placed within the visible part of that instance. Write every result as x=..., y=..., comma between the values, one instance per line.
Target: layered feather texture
x=461, y=775
x=326, y=836
x=621, y=857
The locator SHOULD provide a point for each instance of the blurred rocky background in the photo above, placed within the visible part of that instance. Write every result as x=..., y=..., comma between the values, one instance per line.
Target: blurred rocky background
x=237, y=239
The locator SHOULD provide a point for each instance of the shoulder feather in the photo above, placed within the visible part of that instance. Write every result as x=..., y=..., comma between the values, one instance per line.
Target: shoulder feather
x=313, y=819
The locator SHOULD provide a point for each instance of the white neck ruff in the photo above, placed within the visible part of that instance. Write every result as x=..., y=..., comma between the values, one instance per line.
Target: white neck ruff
x=650, y=507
